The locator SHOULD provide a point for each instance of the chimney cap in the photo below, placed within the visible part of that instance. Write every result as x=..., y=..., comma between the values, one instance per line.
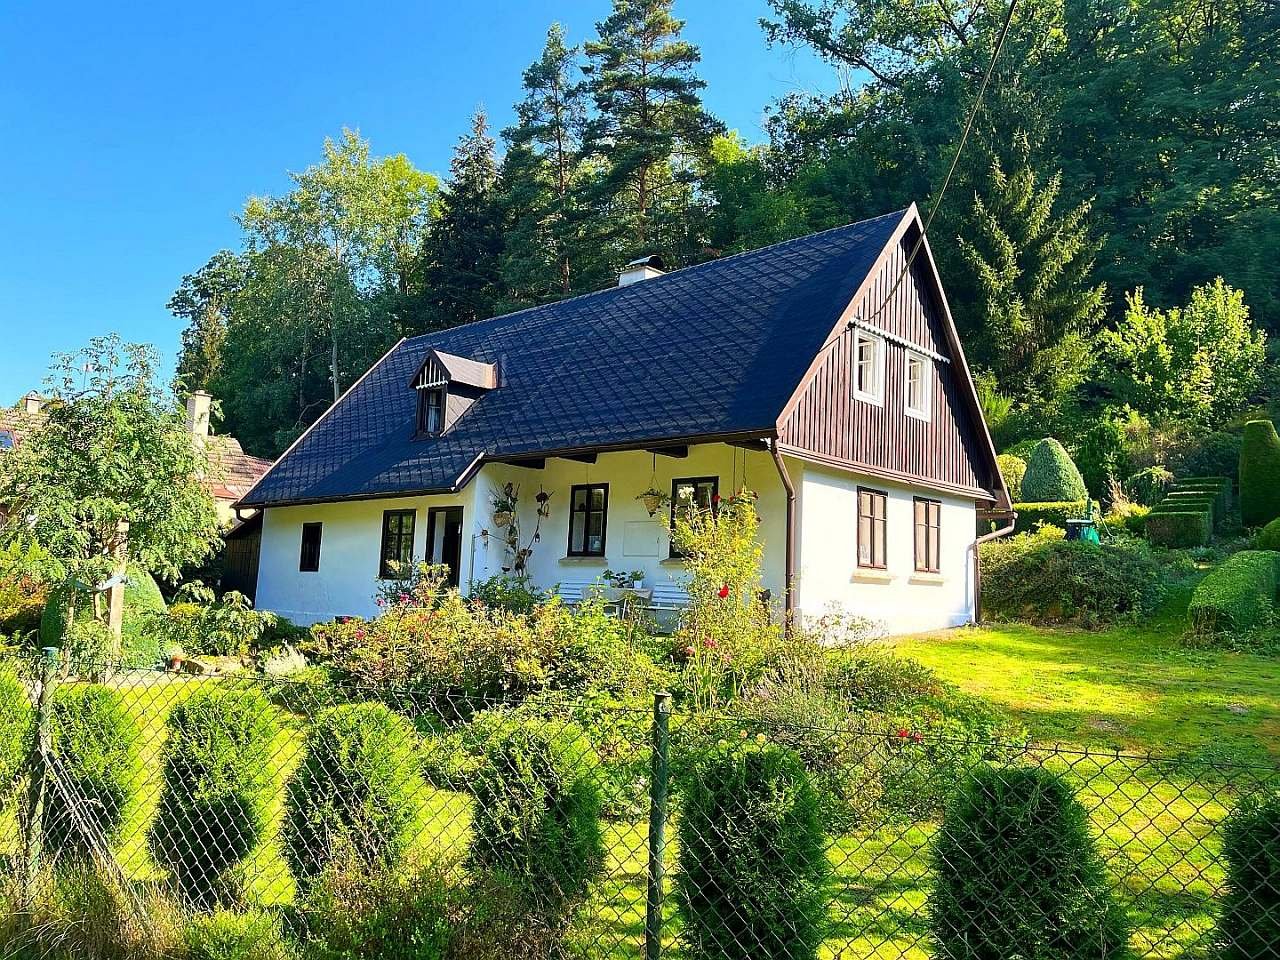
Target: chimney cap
x=649, y=260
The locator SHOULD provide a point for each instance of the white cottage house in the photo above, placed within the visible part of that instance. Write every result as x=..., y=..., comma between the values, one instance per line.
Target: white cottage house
x=812, y=372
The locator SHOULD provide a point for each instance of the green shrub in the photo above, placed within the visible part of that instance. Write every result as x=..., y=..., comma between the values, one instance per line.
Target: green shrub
x=352, y=914
x=1051, y=475
x=228, y=935
x=1259, y=474
x=1167, y=528
x=1213, y=454
x=1268, y=537
x=1100, y=451
x=142, y=598
x=1236, y=596
x=17, y=724
x=752, y=855
x=201, y=624
x=1056, y=581
x=1033, y=515
x=1148, y=486
x=95, y=742
x=354, y=796
x=1249, y=924
x=536, y=829
x=502, y=592
x=1013, y=469
x=1018, y=874
x=218, y=785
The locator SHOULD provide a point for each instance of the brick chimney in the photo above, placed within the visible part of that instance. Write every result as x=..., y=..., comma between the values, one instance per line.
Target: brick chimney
x=32, y=403
x=641, y=268
x=198, y=405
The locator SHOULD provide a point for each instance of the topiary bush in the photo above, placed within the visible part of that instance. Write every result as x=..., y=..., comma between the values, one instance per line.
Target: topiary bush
x=752, y=861
x=1259, y=474
x=142, y=599
x=353, y=799
x=1268, y=537
x=1249, y=924
x=1148, y=486
x=1176, y=529
x=536, y=829
x=1237, y=596
x=17, y=724
x=1062, y=581
x=1052, y=475
x=1031, y=516
x=1012, y=468
x=1018, y=874
x=218, y=784
x=95, y=741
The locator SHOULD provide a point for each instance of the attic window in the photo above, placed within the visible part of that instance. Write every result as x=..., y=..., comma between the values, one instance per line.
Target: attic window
x=868, y=367
x=430, y=410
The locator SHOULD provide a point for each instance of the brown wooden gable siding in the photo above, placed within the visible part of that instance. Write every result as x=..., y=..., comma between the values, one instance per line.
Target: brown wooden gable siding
x=827, y=421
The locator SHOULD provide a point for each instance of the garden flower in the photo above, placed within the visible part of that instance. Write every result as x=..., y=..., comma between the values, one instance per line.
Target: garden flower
x=404, y=598
x=709, y=643
x=917, y=737
x=689, y=651
x=360, y=633
x=724, y=591
x=760, y=738
x=381, y=602
x=903, y=733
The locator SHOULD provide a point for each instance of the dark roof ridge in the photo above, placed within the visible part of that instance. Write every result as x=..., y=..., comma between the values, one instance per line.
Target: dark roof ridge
x=430, y=334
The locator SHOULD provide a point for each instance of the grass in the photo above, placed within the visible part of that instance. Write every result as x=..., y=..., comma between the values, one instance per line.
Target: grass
x=1131, y=688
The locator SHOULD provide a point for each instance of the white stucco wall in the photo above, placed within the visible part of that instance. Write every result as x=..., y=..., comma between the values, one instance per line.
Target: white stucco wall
x=899, y=598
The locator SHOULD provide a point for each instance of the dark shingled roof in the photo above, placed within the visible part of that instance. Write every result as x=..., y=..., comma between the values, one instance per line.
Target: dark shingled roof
x=712, y=350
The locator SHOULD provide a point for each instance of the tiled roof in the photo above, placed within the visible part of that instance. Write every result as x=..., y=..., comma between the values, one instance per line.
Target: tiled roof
x=711, y=350
x=232, y=472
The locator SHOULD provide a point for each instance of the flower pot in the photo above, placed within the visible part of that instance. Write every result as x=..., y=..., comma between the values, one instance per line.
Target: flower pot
x=501, y=518
x=651, y=501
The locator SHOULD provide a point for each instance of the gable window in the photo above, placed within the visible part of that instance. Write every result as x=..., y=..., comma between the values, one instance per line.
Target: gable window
x=430, y=410
x=309, y=557
x=868, y=367
x=919, y=386
x=928, y=529
x=872, y=528
x=691, y=493
x=588, y=516
x=396, y=557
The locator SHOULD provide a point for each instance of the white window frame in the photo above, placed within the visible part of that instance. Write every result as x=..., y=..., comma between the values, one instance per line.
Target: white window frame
x=924, y=410
x=876, y=393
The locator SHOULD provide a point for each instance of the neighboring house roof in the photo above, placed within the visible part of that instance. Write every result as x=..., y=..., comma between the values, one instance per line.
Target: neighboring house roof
x=709, y=352
x=232, y=472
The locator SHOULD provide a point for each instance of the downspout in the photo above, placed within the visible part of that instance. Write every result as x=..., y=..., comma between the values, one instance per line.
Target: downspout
x=789, y=597
x=977, y=566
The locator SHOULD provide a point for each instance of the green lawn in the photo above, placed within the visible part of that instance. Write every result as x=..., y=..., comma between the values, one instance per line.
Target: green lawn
x=1133, y=688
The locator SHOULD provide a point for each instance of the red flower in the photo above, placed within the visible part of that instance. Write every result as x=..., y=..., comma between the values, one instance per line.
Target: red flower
x=709, y=643
x=724, y=591
x=904, y=733
x=689, y=651
x=360, y=634
x=381, y=602
x=404, y=598
x=917, y=737
x=715, y=498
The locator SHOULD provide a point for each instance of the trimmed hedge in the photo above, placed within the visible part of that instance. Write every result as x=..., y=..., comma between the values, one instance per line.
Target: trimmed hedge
x=17, y=724
x=1249, y=924
x=1269, y=537
x=1169, y=528
x=95, y=742
x=1052, y=476
x=1237, y=595
x=138, y=645
x=218, y=785
x=1019, y=875
x=1031, y=515
x=1012, y=468
x=1219, y=486
x=353, y=800
x=752, y=855
x=1259, y=474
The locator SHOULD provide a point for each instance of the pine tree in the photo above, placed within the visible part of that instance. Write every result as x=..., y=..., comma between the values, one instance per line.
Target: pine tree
x=460, y=271
x=204, y=300
x=1034, y=306
x=538, y=176
x=649, y=125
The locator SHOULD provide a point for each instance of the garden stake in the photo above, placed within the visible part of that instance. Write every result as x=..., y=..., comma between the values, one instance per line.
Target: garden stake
x=658, y=783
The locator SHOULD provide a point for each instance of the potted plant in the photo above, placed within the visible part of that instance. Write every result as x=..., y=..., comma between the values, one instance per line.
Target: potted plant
x=504, y=503
x=652, y=498
x=624, y=580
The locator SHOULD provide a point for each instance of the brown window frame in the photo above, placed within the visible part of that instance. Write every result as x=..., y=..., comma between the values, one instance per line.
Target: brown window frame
x=307, y=562
x=932, y=562
x=672, y=552
x=604, y=520
x=385, y=572
x=877, y=561
x=424, y=406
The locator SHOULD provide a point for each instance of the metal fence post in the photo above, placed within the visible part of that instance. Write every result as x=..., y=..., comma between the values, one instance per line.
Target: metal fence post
x=33, y=841
x=659, y=781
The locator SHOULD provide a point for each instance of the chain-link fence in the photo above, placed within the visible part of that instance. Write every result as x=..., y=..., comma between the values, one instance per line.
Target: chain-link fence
x=384, y=823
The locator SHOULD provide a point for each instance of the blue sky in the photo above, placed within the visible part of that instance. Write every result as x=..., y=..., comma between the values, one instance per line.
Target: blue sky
x=134, y=132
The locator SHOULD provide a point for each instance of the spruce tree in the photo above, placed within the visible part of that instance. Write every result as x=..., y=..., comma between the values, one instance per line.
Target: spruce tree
x=460, y=271
x=650, y=127
x=1034, y=305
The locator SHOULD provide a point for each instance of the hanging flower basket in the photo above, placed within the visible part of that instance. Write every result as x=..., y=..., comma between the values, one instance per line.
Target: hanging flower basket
x=501, y=518
x=652, y=500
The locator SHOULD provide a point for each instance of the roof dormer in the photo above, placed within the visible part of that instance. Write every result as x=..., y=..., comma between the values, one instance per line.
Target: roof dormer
x=446, y=387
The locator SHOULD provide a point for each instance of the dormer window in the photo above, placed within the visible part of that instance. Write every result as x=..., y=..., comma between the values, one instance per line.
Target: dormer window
x=430, y=410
